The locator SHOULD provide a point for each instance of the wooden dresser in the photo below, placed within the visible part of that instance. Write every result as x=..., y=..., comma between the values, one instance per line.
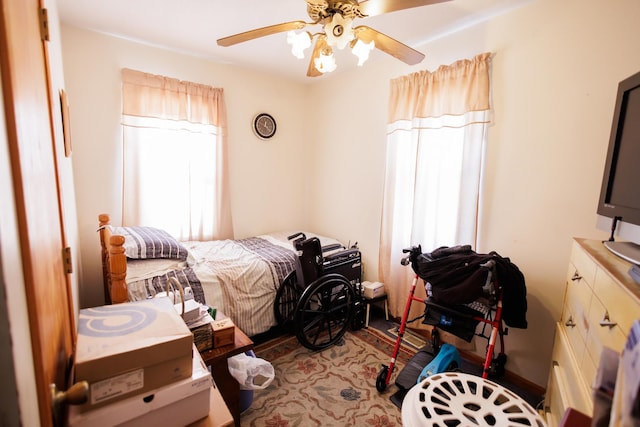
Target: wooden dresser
x=600, y=304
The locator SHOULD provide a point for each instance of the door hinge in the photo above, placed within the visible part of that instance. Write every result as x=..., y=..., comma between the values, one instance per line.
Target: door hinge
x=66, y=257
x=44, y=24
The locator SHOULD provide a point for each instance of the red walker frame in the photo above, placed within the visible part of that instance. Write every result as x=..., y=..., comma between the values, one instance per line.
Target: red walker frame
x=490, y=365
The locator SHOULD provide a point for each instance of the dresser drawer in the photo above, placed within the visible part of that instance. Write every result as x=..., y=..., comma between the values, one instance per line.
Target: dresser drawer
x=576, y=305
x=589, y=369
x=565, y=378
x=572, y=334
x=554, y=404
x=622, y=307
x=601, y=335
x=584, y=265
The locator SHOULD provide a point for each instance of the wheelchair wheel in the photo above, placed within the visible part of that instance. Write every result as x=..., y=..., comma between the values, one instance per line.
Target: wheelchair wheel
x=324, y=312
x=286, y=300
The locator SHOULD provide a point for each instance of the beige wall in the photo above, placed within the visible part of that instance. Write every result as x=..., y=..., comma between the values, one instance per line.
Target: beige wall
x=555, y=70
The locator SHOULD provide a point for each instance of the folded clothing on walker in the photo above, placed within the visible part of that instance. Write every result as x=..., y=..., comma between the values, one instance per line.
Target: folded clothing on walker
x=457, y=276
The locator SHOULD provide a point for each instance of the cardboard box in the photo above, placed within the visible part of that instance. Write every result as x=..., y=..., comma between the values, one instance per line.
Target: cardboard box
x=131, y=348
x=179, y=403
x=223, y=332
x=373, y=289
x=203, y=334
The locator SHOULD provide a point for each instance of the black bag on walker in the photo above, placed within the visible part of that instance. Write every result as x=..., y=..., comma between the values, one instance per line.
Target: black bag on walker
x=458, y=322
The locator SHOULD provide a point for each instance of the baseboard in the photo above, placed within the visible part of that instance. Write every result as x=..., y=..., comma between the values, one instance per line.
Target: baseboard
x=515, y=379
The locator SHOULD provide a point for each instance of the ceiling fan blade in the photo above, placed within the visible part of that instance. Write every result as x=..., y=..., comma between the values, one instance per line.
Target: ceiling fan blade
x=261, y=32
x=378, y=7
x=391, y=46
x=320, y=45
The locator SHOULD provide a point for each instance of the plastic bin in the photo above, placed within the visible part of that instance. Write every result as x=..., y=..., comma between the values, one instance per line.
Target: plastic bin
x=246, y=396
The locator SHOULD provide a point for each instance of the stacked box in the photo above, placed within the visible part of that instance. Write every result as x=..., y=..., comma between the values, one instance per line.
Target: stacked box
x=180, y=403
x=129, y=349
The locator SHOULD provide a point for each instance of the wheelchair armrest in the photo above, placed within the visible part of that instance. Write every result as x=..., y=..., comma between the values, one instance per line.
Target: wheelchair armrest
x=348, y=253
x=332, y=247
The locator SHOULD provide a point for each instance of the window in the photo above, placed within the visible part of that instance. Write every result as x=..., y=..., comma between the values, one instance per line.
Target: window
x=174, y=157
x=435, y=147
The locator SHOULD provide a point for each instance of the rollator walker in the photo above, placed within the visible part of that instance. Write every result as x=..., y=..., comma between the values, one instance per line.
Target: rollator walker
x=463, y=291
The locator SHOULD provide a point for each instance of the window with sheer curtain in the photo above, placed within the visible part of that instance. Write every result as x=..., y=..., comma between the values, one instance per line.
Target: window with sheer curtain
x=435, y=146
x=174, y=163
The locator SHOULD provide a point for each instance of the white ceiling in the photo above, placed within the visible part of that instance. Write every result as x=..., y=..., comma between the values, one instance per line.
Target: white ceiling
x=193, y=26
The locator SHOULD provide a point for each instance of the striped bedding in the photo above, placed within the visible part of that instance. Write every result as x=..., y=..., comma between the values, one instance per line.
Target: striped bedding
x=238, y=277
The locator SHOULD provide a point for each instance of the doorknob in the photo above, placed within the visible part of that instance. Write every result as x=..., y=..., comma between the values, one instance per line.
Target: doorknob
x=76, y=394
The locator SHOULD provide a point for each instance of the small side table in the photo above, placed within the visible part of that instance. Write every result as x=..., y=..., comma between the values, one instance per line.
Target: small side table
x=369, y=301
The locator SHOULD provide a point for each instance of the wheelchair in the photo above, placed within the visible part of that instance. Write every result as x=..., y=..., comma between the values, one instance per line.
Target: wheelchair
x=322, y=297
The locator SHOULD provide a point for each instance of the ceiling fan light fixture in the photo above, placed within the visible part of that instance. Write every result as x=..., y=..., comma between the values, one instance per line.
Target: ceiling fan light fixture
x=362, y=50
x=339, y=31
x=299, y=42
x=325, y=63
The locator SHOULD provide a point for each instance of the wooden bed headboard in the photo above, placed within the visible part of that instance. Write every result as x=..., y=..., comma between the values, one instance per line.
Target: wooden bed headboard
x=114, y=263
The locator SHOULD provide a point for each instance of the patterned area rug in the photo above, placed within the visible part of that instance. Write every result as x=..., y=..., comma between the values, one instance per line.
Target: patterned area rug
x=333, y=387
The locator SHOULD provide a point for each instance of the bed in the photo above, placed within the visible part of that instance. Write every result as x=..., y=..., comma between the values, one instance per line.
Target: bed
x=240, y=277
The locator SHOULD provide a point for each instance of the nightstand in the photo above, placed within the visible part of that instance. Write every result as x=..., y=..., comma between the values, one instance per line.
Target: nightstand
x=216, y=358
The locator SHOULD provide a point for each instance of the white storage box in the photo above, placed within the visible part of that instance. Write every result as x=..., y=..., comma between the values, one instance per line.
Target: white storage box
x=127, y=349
x=180, y=403
x=373, y=289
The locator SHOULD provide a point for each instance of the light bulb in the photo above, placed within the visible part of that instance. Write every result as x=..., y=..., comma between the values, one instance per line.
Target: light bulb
x=298, y=42
x=362, y=49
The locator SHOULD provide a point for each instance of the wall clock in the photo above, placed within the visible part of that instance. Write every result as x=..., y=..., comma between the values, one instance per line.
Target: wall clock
x=264, y=126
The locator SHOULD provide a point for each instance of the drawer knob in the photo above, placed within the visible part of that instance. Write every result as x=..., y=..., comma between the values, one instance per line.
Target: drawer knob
x=570, y=323
x=576, y=276
x=606, y=321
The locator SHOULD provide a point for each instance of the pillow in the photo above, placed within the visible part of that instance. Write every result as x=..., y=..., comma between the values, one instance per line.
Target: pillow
x=150, y=243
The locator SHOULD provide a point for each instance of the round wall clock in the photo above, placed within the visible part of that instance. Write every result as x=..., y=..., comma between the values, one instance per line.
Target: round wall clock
x=264, y=126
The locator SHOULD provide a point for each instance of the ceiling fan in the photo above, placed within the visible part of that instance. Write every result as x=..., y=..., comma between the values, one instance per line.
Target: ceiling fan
x=336, y=18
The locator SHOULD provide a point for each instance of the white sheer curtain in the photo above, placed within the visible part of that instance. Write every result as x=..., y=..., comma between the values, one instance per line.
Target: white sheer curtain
x=435, y=146
x=174, y=157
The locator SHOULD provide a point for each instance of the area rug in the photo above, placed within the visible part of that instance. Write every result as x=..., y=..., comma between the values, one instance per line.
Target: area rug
x=333, y=387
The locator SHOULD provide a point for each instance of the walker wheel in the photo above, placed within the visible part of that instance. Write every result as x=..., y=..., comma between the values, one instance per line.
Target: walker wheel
x=436, y=343
x=496, y=369
x=381, y=381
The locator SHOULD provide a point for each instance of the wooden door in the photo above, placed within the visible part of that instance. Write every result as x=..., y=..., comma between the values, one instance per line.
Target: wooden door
x=31, y=147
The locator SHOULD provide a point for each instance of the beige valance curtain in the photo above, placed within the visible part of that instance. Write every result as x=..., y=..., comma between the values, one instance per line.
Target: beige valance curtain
x=174, y=156
x=149, y=95
x=452, y=90
x=436, y=133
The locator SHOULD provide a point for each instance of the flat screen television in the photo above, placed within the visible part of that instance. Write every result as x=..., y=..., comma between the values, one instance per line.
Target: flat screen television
x=619, y=204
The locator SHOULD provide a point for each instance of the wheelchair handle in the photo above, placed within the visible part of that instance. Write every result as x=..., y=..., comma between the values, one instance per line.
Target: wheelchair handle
x=293, y=236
